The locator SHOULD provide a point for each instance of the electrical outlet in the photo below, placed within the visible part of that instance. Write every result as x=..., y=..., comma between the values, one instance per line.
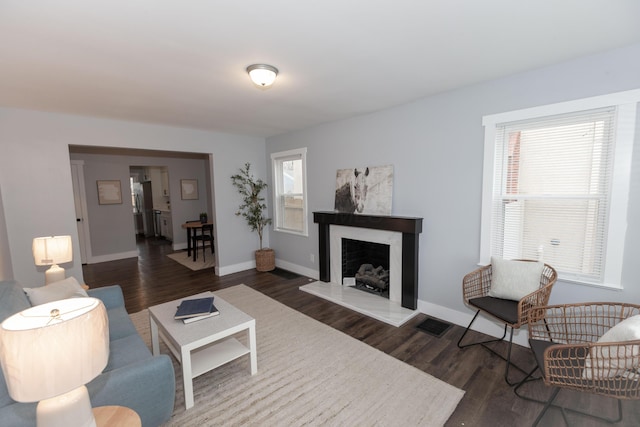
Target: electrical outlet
x=313, y=258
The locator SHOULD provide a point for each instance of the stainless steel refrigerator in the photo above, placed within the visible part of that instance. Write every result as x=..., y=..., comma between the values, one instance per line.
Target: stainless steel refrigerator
x=147, y=210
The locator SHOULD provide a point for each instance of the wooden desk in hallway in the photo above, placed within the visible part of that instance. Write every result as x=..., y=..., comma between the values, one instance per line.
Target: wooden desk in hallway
x=192, y=226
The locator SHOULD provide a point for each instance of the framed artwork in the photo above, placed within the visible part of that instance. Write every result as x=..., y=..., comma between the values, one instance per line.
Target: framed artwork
x=364, y=190
x=189, y=189
x=109, y=192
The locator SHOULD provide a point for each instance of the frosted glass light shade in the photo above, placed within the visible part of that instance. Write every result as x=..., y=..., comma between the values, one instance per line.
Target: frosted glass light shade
x=262, y=74
x=44, y=355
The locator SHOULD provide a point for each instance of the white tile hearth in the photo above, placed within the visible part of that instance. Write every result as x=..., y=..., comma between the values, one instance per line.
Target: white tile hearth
x=371, y=305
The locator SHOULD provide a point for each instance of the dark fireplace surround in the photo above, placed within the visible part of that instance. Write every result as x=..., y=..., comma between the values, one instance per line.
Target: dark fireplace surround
x=408, y=226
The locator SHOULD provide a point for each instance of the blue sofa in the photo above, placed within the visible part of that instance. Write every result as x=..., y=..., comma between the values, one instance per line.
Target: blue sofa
x=133, y=377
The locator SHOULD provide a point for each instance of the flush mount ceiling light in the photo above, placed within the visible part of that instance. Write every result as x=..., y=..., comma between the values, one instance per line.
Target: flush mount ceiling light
x=262, y=74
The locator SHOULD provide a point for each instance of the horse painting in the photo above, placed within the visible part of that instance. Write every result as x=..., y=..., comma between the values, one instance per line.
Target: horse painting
x=352, y=194
x=364, y=190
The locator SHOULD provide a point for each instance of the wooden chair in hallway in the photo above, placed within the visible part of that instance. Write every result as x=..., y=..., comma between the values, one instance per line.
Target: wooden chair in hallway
x=206, y=235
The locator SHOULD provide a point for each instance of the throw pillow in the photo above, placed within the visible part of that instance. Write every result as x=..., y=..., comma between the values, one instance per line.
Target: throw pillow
x=67, y=288
x=513, y=280
x=625, y=361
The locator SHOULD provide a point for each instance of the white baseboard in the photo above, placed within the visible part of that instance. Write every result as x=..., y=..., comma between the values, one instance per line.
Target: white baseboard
x=112, y=257
x=235, y=268
x=295, y=268
x=482, y=323
x=179, y=246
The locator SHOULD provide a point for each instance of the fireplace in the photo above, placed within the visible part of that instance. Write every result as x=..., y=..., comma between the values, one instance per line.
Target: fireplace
x=399, y=233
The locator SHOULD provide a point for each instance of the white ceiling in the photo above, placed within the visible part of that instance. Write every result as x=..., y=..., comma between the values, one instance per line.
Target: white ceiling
x=182, y=62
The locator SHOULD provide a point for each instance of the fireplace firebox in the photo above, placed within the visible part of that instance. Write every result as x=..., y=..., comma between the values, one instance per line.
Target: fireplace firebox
x=358, y=252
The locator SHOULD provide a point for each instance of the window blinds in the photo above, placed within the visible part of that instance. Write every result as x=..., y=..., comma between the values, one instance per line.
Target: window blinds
x=551, y=191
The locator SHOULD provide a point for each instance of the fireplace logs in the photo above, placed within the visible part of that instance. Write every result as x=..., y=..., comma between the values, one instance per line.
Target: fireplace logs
x=375, y=279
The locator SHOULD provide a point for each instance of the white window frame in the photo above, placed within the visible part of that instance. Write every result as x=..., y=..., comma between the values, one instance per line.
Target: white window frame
x=276, y=158
x=626, y=104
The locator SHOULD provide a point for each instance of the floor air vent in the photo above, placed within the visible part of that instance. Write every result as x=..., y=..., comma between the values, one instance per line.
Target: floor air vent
x=434, y=327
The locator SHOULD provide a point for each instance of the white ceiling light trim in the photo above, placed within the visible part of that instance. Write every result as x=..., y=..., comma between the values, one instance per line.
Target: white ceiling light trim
x=262, y=74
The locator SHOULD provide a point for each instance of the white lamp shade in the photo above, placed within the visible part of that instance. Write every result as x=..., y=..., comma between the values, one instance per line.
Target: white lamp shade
x=44, y=357
x=52, y=250
x=262, y=74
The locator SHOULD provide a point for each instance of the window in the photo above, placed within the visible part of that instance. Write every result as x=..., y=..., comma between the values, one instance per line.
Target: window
x=290, y=188
x=550, y=191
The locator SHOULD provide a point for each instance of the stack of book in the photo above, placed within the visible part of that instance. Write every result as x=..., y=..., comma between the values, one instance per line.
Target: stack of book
x=191, y=310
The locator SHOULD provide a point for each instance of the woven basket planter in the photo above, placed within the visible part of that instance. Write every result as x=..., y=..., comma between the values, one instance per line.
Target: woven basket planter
x=265, y=259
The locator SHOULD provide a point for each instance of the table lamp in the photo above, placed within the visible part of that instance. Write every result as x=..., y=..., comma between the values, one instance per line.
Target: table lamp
x=52, y=251
x=49, y=352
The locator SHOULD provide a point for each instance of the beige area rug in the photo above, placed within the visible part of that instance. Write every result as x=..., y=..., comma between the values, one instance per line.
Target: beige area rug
x=199, y=264
x=308, y=374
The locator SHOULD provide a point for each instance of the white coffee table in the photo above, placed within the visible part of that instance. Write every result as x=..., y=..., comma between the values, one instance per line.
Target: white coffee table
x=203, y=345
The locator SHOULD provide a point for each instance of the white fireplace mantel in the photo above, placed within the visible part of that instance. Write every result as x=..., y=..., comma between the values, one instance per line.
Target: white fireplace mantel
x=391, y=238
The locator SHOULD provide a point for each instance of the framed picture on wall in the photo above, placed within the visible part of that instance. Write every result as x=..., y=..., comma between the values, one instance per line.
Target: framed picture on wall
x=189, y=189
x=364, y=190
x=109, y=192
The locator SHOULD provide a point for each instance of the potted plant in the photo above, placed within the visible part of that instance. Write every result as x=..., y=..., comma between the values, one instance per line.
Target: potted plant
x=252, y=209
x=203, y=217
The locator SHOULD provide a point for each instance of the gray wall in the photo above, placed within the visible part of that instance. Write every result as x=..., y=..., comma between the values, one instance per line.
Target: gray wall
x=35, y=177
x=111, y=226
x=436, y=148
x=435, y=145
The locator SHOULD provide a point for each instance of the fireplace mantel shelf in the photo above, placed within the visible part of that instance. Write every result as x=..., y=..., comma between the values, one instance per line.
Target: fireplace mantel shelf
x=379, y=222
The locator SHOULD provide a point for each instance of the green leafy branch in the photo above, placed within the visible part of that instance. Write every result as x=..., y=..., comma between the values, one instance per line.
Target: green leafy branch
x=253, y=207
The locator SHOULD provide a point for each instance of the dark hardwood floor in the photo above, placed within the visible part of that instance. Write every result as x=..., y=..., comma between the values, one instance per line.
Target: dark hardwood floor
x=153, y=278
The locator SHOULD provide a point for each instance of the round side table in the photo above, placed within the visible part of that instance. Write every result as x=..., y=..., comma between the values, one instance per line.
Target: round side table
x=116, y=416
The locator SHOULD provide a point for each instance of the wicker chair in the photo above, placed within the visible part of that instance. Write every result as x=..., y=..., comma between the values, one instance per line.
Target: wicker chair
x=475, y=290
x=564, y=341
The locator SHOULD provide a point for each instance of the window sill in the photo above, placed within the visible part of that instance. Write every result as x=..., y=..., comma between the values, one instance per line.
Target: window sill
x=294, y=232
x=574, y=281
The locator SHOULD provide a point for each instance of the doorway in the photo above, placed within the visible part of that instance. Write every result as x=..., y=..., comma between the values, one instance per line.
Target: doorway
x=80, y=202
x=142, y=202
x=116, y=227
x=151, y=200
